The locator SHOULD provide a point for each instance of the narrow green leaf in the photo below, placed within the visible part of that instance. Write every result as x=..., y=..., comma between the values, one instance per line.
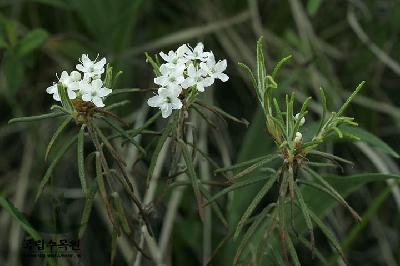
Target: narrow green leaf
x=157, y=151
x=262, y=217
x=264, y=190
x=330, y=156
x=102, y=189
x=156, y=67
x=116, y=78
x=116, y=105
x=60, y=108
x=234, y=187
x=315, y=251
x=324, y=110
x=36, y=118
x=108, y=145
x=24, y=223
x=278, y=111
x=120, y=91
x=261, y=70
x=221, y=112
x=375, y=205
x=338, y=132
x=326, y=231
x=333, y=191
x=53, y=164
x=304, y=210
x=215, y=207
x=246, y=68
x=369, y=138
x=241, y=164
x=136, y=131
x=193, y=177
x=65, y=101
x=87, y=209
x=279, y=65
x=11, y=209
x=56, y=134
x=347, y=102
x=255, y=166
x=109, y=76
x=123, y=133
x=121, y=213
x=81, y=159
x=292, y=250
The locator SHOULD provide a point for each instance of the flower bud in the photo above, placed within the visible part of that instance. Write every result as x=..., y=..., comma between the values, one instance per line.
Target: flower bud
x=302, y=120
x=298, y=138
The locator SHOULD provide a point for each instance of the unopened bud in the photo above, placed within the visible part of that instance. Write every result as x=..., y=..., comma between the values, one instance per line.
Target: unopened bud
x=302, y=120
x=298, y=138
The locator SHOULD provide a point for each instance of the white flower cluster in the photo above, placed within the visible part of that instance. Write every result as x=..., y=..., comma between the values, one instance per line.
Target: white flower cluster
x=88, y=87
x=185, y=68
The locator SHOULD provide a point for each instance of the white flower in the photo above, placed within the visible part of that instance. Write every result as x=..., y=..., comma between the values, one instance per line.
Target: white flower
x=171, y=78
x=198, y=53
x=70, y=82
x=176, y=59
x=94, y=92
x=91, y=69
x=302, y=121
x=197, y=77
x=215, y=69
x=298, y=138
x=53, y=90
x=167, y=100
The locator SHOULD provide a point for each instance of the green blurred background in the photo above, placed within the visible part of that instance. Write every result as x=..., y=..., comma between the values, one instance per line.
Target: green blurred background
x=335, y=44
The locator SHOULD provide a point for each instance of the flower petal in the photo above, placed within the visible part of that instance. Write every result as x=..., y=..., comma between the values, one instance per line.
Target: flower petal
x=166, y=111
x=176, y=103
x=57, y=97
x=71, y=94
x=52, y=89
x=75, y=76
x=87, y=97
x=81, y=68
x=221, y=66
x=155, y=101
x=223, y=77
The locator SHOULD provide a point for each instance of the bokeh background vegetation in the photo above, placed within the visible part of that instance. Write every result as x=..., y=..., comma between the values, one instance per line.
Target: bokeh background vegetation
x=335, y=44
